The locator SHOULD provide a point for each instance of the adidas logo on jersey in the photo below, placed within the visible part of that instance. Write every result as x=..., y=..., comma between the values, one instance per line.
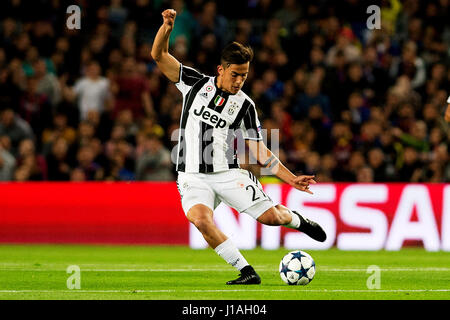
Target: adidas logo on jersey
x=210, y=117
x=204, y=95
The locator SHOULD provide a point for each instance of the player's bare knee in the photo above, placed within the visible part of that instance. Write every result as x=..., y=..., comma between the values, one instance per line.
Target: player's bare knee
x=197, y=220
x=203, y=224
x=200, y=220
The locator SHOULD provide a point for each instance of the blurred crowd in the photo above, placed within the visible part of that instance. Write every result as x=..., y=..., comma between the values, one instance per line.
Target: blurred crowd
x=350, y=103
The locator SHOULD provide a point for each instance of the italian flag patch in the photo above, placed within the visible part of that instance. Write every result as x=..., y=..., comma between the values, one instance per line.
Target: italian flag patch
x=218, y=101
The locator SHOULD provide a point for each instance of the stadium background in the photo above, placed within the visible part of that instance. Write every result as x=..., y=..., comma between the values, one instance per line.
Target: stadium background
x=353, y=106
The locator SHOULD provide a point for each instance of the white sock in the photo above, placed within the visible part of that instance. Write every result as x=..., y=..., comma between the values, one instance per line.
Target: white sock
x=295, y=222
x=228, y=251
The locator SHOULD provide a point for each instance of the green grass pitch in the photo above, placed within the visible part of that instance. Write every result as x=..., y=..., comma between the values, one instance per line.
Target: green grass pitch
x=177, y=272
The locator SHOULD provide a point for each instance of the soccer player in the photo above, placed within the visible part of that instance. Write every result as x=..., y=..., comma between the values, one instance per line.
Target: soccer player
x=214, y=108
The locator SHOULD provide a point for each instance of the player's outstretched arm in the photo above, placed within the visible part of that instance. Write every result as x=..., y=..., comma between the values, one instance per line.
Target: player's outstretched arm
x=160, y=49
x=267, y=159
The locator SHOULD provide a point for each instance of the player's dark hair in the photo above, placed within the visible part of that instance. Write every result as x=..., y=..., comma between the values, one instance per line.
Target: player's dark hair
x=236, y=53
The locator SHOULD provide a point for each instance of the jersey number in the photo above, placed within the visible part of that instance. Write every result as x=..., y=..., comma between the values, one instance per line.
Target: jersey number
x=254, y=197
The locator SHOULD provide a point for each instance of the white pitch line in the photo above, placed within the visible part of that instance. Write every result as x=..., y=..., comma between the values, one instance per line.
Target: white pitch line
x=395, y=269
x=319, y=269
x=227, y=290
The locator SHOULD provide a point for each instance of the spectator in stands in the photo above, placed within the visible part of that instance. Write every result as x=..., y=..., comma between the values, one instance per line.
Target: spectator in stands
x=14, y=128
x=377, y=77
x=57, y=160
x=410, y=65
x=416, y=138
x=345, y=44
x=380, y=168
x=273, y=86
x=132, y=91
x=358, y=110
x=59, y=129
x=77, y=175
x=283, y=120
x=356, y=162
x=118, y=170
x=126, y=120
x=365, y=175
x=153, y=161
x=411, y=167
x=312, y=96
x=30, y=164
x=85, y=162
x=85, y=135
x=210, y=20
x=7, y=165
x=47, y=83
x=118, y=134
x=356, y=82
x=10, y=91
x=186, y=24
x=35, y=108
x=92, y=91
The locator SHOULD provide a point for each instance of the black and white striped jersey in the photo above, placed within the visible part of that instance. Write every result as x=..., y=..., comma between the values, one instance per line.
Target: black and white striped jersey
x=209, y=122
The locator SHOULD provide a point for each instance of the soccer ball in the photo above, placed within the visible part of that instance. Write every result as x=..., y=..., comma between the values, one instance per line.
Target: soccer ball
x=297, y=267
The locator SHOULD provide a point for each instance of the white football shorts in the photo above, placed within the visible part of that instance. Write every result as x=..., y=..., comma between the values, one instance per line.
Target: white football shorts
x=237, y=188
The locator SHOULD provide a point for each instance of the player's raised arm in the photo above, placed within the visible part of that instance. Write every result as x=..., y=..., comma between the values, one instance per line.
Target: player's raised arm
x=160, y=49
x=267, y=159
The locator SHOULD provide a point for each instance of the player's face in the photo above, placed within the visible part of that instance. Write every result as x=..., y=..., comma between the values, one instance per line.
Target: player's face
x=232, y=78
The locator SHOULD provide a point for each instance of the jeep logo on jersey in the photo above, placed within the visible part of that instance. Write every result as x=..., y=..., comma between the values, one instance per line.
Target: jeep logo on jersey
x=210, y=117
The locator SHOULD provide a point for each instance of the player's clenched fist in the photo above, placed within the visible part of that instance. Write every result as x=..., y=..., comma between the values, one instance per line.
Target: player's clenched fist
x=169, y=17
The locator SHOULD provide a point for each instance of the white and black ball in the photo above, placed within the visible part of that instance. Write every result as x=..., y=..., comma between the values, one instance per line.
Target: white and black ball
x=297, y=268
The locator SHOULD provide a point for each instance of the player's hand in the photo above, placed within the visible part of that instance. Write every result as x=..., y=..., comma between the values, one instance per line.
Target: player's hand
x=302, y=183
x=169, y=17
